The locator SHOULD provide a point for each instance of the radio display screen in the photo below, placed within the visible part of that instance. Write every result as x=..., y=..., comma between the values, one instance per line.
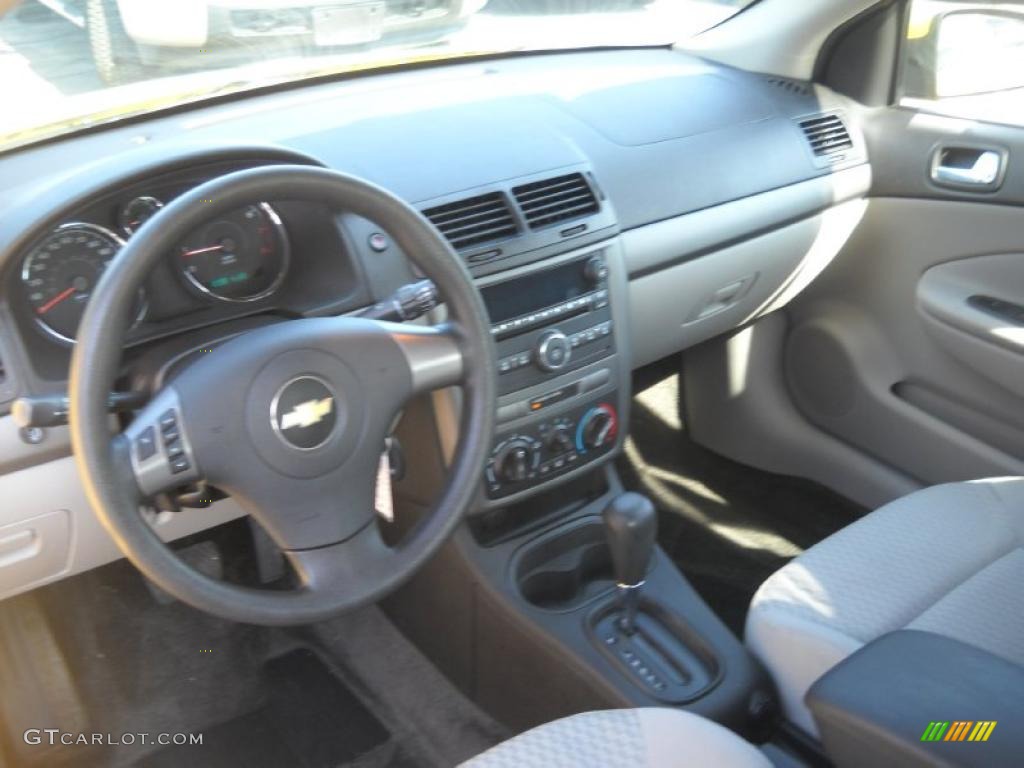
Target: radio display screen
x=537, y=291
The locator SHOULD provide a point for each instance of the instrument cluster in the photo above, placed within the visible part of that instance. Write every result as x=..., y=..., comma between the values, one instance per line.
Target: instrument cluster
x=240, y=257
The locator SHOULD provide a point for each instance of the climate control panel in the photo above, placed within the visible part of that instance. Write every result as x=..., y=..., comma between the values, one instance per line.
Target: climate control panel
x=551, y=447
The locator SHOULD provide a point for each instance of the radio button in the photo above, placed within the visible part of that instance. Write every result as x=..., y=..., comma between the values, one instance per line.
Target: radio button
x=596, y=270
x=512, y=411
x=596, y=380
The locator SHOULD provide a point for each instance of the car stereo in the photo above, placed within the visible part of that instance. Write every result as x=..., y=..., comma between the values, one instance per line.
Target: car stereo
x=550, y=322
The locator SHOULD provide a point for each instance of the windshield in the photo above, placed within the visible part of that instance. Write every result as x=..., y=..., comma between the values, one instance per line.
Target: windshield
x=68, y=64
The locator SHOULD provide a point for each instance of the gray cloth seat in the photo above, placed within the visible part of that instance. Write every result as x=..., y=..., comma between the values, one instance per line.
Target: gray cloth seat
x=625, y=738
x=948, y=559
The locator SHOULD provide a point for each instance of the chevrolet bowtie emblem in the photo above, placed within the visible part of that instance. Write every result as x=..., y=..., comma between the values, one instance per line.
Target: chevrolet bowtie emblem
x=307, y=414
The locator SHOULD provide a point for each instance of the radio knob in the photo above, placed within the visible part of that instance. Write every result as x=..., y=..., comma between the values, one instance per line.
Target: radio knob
x=513, y=462
x=596, y=270
x=599, y=427
x=553, y=351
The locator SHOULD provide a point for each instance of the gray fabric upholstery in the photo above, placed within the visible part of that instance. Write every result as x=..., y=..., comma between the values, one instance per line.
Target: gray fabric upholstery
x=946, y=559
x=625, y=738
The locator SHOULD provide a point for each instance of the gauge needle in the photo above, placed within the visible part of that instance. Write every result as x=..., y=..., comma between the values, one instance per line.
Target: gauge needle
x=207, y=249
x=56, y=300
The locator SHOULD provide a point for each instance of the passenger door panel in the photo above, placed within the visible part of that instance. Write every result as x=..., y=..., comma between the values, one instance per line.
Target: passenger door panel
x=888, y=350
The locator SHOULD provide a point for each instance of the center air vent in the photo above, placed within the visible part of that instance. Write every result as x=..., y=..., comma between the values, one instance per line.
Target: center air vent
x=827, y=135
x=554, y=200
x=474, y=221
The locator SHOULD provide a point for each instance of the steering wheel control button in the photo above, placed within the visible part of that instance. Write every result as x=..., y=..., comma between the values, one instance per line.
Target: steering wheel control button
x=168, y=420
x=303, y=413
x=160, y=452
x=145, y=444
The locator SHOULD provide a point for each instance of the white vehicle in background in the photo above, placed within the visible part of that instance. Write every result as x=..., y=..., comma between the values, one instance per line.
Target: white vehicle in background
x=127, y=34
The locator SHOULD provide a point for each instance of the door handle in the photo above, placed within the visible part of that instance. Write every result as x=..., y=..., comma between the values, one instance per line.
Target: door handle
x=968, y=167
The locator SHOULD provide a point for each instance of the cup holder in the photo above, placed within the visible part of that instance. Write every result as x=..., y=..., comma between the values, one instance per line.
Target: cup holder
x=566, y=568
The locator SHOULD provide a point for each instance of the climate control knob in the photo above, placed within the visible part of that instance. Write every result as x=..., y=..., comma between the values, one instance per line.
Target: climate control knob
x=559, y=441
x=514, y=461
x=598, y=427
x=553, y=351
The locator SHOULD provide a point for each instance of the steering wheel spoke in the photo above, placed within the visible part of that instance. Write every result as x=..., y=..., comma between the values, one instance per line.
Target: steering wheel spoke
x=337, y=566
x=434, y=354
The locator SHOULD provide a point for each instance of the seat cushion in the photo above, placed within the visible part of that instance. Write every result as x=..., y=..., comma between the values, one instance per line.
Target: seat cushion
x=947, y=559
x=622, y=738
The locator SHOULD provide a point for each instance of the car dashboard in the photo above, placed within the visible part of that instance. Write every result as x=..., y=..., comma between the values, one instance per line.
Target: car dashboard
x=659, y=198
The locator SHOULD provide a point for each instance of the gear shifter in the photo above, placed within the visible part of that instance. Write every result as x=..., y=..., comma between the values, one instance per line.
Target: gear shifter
x=631, y=525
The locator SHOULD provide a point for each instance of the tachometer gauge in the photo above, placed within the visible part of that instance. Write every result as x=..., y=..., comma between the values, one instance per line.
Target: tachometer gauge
x=239, y=257
x=58, y=276
x=137, y=212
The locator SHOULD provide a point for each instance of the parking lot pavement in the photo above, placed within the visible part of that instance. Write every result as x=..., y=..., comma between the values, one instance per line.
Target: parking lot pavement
x=42, y=54
x=47, y=73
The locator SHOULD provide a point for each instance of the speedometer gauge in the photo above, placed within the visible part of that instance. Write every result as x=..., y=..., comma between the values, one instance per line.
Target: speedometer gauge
x=59, y=275
x=239, y=257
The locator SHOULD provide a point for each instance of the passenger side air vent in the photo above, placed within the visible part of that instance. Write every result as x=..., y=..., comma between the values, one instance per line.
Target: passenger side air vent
x=827, y=135
x=474, y=221
x=554, y=200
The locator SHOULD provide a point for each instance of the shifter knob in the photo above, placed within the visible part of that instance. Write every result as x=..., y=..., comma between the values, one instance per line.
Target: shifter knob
x=631, y=525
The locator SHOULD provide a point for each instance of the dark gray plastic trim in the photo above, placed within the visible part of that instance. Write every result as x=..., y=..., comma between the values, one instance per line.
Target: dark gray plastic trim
x=874, y=706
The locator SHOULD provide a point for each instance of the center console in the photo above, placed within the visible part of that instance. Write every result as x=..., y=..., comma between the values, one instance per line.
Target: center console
x=547, y=610
x=556, y=326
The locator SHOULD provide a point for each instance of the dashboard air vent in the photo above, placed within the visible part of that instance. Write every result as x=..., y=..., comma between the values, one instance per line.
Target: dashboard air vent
x=827, y=135
x=554, y=200
x=474, y=221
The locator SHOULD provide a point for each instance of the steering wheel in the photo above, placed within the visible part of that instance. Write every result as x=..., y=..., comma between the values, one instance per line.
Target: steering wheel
x=290, y=419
